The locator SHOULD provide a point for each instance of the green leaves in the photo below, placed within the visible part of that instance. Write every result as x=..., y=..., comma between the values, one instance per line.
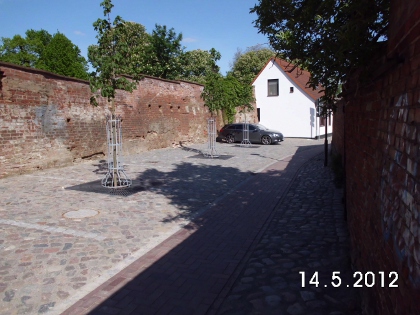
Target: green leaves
x=226, y=94
x=41, y=50
x=248, y=64
x=63, y=57
x=197, y=64
x=329, y=38
x=117, y=50
x=18, y=50
x=107, y=6
x=163, y=53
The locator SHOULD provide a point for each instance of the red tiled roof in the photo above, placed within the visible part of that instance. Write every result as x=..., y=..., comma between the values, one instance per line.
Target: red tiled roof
x=299, y=76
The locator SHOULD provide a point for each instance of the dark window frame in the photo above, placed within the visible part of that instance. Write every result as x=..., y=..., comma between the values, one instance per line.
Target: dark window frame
x=269, y=91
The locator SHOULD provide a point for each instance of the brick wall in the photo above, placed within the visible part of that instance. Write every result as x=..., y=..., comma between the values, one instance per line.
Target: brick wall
x=379, y=138
x=46, y=120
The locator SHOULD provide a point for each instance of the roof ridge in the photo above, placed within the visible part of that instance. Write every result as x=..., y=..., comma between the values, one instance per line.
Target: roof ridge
x=299, y=76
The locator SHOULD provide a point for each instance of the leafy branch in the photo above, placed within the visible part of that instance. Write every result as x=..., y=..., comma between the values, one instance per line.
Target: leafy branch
x=111, y=57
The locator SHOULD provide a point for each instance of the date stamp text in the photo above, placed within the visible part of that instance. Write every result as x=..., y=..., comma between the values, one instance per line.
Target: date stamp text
x=360, y=279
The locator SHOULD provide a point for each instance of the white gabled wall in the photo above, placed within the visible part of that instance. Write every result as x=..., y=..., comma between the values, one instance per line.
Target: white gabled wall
x=293, y=114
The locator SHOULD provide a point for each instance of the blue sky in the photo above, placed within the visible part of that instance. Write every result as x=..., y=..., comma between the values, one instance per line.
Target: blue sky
x=225, y=25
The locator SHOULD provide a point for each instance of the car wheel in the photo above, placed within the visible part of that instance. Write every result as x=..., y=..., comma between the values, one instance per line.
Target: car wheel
x=265, y=139
x=230, y=139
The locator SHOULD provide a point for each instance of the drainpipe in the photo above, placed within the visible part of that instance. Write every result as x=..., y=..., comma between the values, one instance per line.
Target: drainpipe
x=326, y=141
x=316, y=121
x=344, y=161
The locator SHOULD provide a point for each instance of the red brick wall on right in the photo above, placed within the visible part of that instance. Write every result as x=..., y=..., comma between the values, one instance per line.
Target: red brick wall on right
x=377, y=131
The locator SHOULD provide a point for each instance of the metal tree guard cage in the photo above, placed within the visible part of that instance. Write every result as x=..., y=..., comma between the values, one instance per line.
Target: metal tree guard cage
x=245, y=135
x=211, y=147
x=115, y=177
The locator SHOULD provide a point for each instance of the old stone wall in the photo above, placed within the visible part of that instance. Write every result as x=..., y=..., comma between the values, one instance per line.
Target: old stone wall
x=379, y=139
x=46, y=120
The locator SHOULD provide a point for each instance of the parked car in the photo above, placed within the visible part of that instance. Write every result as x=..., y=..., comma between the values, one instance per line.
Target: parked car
x=257, y=134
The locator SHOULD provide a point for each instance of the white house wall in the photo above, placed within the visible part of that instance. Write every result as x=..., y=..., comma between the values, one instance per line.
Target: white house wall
x=293, y=114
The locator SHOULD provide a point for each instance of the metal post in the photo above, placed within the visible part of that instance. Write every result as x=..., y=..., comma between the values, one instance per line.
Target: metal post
x=211, y=146
x=326, y=141
x=245, y=134
x=115, y=176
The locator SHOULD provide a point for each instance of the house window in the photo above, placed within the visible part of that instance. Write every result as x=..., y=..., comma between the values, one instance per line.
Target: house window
x=322, y=121
x=291, y=89
x=273, y=87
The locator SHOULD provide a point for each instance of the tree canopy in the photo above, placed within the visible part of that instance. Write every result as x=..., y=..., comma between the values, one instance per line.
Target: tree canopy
x=112, y=56
x=24, y=51
x=41, y=50
x=329, y=38
x=61, y=56
x=197, y=64
x=163, y=53
x=246, y=65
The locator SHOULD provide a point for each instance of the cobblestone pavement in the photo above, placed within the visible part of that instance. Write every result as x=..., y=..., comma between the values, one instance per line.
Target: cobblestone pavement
x=306, y=236
x=246, y=254
x=63, y=236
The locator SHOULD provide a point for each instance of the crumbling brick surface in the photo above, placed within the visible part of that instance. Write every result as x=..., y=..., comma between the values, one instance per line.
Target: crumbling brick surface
x=46, y=120
x=379, y=136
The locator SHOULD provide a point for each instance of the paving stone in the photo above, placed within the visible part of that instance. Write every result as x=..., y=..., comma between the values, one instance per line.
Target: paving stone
x=316, y=245
x=288, y=297
x=8, y=295
x=295, y=309
x=250, y=271
x=247, y=279
x=177, y=187
x=258, y=304
x=44, y=308
x=307, y=295
x=273, y=300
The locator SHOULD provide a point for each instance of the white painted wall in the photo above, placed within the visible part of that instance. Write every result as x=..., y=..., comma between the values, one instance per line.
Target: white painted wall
x=293, y=114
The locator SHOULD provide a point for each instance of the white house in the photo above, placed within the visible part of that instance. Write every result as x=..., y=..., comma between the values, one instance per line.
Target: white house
x=285, y=102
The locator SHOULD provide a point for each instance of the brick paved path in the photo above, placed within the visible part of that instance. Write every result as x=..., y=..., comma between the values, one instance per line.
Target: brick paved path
x=135, y=245
x=193, y=271
x=305, y=233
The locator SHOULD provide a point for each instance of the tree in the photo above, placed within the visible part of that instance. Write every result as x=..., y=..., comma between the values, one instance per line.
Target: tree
x=226, y=94
x=111, y=58
x=137, y=40
x=24, y=51
x=61, y=56
x=114, y=54
x=329, y=38
x=246, y=65
x=163, y=54
x=41, y=50
x=197, y=64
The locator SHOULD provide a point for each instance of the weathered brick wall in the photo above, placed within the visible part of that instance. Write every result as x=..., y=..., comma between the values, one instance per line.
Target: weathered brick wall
x=380, y=142
x=337, y=143
x=46, y=120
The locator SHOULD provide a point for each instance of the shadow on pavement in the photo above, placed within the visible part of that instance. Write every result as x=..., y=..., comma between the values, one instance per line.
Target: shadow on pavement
x=194, y=270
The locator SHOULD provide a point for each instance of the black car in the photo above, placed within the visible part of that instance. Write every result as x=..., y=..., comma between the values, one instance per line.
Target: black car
x=257, y=134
